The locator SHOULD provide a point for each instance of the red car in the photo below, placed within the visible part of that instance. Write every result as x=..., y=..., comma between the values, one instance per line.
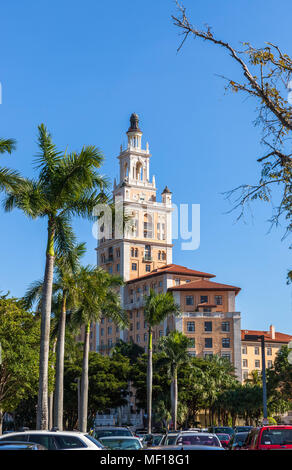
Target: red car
x=269, y=437
x=224, y=439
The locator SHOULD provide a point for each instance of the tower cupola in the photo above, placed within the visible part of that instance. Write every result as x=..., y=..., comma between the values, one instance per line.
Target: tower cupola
x=134, y=132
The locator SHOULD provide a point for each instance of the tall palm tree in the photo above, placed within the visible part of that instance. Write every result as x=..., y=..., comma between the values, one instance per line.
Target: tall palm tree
x=7, y=177
x=97, y=296
x=156, y=309
x=67, y=185
x=67, y=266
x=175, y=346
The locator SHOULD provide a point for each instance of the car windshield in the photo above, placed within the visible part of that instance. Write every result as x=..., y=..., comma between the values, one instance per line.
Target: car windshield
x=156, y=440
x=170, y=440
x=240, y=437
x=199, y=440
x=243, y=428
x=276, y=436
x=111, y=432
x=97, y=443
x=223, y=437
x=224, y=430
x=115, y=443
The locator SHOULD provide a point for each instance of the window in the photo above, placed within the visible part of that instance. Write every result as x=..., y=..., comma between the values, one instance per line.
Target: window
x=257, y=350
x=244, y=350
x=225, y=342
x=148, y=268
x=145, y=337
x=118, y=268
x=244, y=363
x=138, y=338
x=257, y=364
x=245, y=375
x=226, y=356
x=109, y=330
x=208, y=343
x=67, y=442
x=269, y=351
x=218, y=299
x=177, y=282
x=138, y=325
x=190, y=326
x=193, y=343
x=134, y=266
x=145, y=324
x=131, y=326
x=160, y=333
x=270, y=364
x=208, y=326
x=132, y=252
x=225, y=326
x=208, y=355
x=189, y=300
x=46, y=441
x=203, y=299
x=160, y=284
x=110, y=269
x=163, y=255
x=136, y=252
x=101, y=331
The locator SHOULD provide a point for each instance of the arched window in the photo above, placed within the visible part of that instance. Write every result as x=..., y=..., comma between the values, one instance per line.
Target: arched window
x=139, y=171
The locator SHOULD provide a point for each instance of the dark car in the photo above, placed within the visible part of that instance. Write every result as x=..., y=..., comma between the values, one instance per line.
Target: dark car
x=221, y=430
x=169, y=439
x=152, y=439
x=20, y=445
x=224, y=439
x=242, y=428
x=238, y=440
x=111, y=431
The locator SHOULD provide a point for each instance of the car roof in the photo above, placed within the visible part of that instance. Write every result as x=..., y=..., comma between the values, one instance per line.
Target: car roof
x=110, y=427
x=120, y=437
x=53, y=433
x=197, y=433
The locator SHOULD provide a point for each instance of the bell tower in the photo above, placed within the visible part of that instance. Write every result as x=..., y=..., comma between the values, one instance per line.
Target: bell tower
x=147, y=242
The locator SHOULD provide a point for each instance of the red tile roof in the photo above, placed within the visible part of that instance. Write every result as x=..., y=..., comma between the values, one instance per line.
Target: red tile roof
x=172, y=269
x=205, y=285
x=279, y=337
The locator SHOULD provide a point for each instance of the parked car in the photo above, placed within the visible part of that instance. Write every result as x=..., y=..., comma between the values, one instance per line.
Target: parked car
x=198, y=438
x=15, y=445
x=269, y=437
x=224, y=439
x=238, y=440
x=186, y=447
x=121, y=443
x=221, y=429
x=152, y=439
x=55, y=440
x=169, y=439
x=111, y=431
x=242, y=428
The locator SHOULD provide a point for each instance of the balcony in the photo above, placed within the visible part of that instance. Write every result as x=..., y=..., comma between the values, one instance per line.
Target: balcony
x=147, y=258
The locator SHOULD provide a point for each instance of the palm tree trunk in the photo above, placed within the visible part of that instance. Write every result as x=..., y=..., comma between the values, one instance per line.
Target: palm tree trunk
x=51, y=396
x=149, y=382
x=174, y=399
x=59, y=387
x=42, y=407
x=84, y=382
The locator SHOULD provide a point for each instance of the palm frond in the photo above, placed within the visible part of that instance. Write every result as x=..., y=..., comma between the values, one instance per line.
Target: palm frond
x=7, y=145
x=49, y=158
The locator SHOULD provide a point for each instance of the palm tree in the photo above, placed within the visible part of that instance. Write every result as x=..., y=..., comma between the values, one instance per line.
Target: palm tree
x=174, y=347
x=67, y=185
x=7, y=177
x=97, y=296
x=156, y=309
x=67, y=266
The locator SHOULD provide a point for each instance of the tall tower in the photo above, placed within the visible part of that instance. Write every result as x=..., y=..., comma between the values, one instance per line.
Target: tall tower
x=147, y=242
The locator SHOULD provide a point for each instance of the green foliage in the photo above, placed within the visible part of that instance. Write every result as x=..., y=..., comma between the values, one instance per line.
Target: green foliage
x=19, y=338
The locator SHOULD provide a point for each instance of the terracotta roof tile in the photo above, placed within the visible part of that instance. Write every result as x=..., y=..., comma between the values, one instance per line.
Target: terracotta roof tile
x=279, y=337
x=172, y=269
x=205, y=285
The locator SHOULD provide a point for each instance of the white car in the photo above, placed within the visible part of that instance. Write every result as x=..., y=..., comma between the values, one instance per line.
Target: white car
x=56, y=440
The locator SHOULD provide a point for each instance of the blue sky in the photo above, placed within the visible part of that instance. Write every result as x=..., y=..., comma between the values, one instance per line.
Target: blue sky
x=83, y=67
